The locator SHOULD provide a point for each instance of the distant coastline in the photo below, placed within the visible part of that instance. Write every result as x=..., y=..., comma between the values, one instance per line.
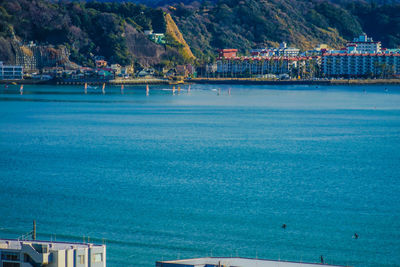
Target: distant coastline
x=288, y=82
x=242, y=81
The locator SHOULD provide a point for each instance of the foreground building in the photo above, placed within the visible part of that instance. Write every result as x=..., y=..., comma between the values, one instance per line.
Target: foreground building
x=361, y=58
x=361, y=65
x=261, y=66
x=8, y=72
x=233, y=262
x=16, y=253
x=283, y=62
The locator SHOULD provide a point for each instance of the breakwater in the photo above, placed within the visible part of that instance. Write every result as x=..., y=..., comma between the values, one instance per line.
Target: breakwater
x=245, y=81
x=238, y=81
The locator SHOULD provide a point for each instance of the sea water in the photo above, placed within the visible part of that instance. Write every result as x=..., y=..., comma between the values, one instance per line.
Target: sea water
x=205, y=173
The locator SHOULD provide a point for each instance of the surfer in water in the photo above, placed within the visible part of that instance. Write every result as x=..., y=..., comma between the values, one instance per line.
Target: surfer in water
x=284, y=226
x=355, y=236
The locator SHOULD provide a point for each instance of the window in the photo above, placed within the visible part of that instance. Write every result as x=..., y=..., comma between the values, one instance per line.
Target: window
x=81, y=259
x=11, y=264
x=10, y=256
x=98, y=257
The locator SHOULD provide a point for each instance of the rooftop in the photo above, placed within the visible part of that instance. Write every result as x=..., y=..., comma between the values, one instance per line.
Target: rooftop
x=17, y=244
x=236, y=262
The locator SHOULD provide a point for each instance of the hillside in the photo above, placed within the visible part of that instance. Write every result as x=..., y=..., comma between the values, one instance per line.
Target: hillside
x=193, y=29
x=115, y=31
x=246, y=24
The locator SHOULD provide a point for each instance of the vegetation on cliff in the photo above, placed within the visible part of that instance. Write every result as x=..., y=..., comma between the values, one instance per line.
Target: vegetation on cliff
x=112, y=30
x=247, y=24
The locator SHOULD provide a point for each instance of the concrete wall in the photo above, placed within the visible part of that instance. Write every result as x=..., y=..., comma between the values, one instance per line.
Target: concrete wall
x=69, y=258
x=58, y=258
x=81, y=252
x=96, y=254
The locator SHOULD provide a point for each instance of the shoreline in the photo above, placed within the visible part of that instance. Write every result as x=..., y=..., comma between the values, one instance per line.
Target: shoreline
x=255, y=81
x=239, y=81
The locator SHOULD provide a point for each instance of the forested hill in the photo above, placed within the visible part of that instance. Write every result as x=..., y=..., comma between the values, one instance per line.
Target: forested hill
x=115, y=29
x=112, y=30
x=246, y=24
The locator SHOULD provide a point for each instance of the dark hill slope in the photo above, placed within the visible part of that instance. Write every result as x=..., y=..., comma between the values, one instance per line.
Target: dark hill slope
x=112, y=30
x=246, y=24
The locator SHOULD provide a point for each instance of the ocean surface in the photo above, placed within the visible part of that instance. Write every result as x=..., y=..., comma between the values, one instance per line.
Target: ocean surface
x=205, y=173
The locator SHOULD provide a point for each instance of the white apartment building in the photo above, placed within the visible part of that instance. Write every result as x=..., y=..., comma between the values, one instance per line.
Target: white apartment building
x=17, y=253
x=8, y=72
x=254, y=66
x=281, y=51
x=363, y=44
x=353, y=65
x=246, y=66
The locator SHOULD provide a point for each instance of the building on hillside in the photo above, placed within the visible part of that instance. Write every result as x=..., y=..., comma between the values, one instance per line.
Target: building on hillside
x=185, y=70
x=158, y=38
x=116, y=68
x=234, y=262
x=363, y=44
x=181, y=70
x=146, y=73
x=227, y=53
x=127, y=70
x=192, y=72
x=317, y=51
x=282, y=51
x=360, y=65
x=8, y=72
x=34, y=57
x=101, y=63
x=22, y=253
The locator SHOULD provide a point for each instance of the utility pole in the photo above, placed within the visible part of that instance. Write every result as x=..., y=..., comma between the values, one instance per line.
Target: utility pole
x=34, y=230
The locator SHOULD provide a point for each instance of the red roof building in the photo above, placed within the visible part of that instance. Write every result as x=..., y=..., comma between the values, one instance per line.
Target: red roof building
x=227, y=53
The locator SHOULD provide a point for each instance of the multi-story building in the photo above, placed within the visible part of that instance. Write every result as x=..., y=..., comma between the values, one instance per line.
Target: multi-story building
x=34, y=57
x=363, y=44
x=281, y=51
x=361, y=58
x=249, y=66
x=17, y=253
x=227, y=53
x=353, y=65
x=8, y=72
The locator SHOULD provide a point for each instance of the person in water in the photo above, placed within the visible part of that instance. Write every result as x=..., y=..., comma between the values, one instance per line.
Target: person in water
x=355, y=236
x=284, y=226
x=322, y=259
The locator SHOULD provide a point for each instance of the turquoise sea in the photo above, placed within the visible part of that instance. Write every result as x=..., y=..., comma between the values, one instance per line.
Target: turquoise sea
x=198, y=174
